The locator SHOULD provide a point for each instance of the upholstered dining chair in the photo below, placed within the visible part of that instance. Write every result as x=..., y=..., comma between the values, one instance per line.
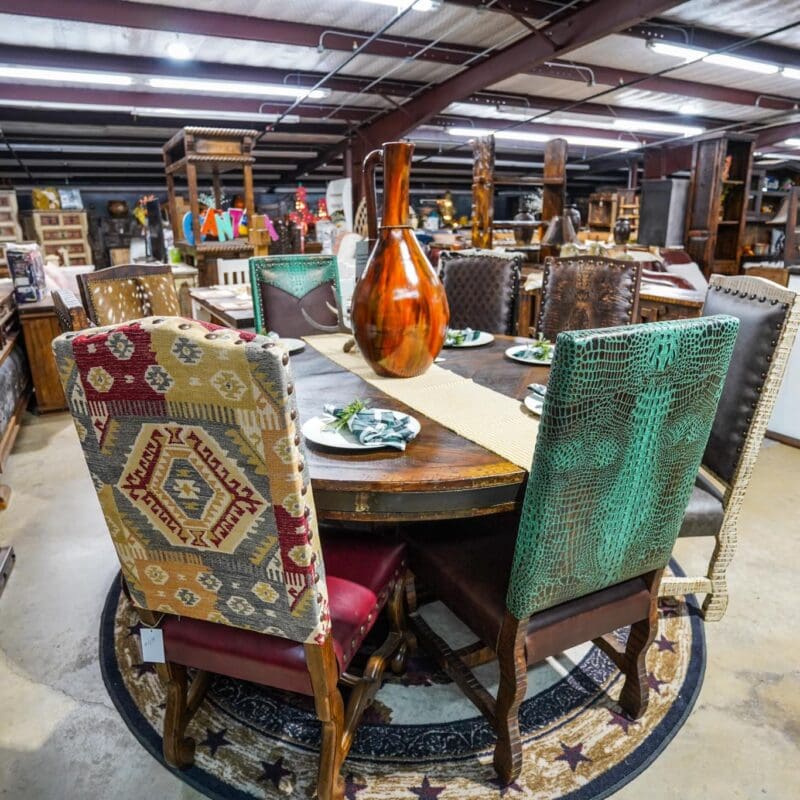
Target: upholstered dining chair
x=295, y=295
x=127, y=292
x=192, y=439
x=69, y=310
x=587, y=292
x=481, y=290
x=769, y=316
x=626, y=417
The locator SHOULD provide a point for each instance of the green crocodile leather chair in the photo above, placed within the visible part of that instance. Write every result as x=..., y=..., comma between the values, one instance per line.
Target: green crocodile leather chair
x=295, y=295
x=624, y=425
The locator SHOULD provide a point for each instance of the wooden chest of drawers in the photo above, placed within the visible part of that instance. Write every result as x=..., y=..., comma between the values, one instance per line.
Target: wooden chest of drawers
x=60, y=233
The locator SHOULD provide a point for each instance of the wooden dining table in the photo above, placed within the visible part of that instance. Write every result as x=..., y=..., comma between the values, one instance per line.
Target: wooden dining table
x=440, y=475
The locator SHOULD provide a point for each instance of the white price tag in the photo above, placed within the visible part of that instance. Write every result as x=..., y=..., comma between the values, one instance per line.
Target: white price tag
x=152, y=645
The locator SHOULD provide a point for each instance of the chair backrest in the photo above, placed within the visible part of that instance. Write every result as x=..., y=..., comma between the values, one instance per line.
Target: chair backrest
x=769, y=316
x=191, y=436
x=482, y=291
x=295, y=295
x=128, y=292
x=69, y=310
x=233, y=271
x=584, y=292
x=625, y=421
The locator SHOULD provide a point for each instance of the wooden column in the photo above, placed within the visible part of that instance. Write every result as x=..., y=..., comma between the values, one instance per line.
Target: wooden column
x=555, y=178
x=482, y=191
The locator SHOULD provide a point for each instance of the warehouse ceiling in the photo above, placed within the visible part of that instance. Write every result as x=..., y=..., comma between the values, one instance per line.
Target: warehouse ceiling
x=90, y=91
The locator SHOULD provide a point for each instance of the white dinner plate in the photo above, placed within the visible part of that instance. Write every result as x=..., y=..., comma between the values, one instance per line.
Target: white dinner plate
x=292, y=345
x=533, y=403
x=315, y=431
x=534, y=361
x=483, y=338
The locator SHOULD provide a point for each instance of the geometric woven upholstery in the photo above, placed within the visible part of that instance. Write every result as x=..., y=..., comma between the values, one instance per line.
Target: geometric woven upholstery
x=293, y=294
x=624, y=425
x=128, y=292
x=586, y=292
x=761, y=320
x=481, y=291
x=191, y=437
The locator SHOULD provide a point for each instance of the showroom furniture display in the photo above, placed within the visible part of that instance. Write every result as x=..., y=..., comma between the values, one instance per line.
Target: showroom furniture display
x=60, y=233
x=10, y=230
x=482, y=291
x=586, y=292
x=233, y=271
x=295, y=295
x=69, y=310
x=201, y=474
x=208, y=153
x=565, y=571
x=769, y=319
x=39, y=327
x=127, y=292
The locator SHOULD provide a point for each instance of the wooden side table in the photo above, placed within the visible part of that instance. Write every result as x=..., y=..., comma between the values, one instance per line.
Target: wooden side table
x=39, y=328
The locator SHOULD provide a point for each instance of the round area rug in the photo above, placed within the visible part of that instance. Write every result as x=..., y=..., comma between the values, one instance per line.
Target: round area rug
x=421, y=739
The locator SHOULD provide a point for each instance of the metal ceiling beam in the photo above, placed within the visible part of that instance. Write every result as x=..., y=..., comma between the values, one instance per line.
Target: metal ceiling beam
x=152, y=16
x=777, y=134
x=579, y=28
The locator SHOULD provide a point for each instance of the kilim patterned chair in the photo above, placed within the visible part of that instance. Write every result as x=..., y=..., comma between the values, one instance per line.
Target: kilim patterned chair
x=769, y=317
x=191, y=436
x=482, y=291
x=69, y=310
x=587, y=292
x=624, y=424
x=295, y=295
x=128, y=292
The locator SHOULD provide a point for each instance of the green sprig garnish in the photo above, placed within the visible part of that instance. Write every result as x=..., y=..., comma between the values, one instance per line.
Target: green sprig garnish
x=346, y=414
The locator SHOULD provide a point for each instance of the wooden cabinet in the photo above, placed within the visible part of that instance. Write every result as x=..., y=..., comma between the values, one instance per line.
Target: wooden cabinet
x=718, y=197
x=60, y=233
x=39, y=328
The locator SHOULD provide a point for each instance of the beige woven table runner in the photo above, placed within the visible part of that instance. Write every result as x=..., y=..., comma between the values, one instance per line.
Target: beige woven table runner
x=483, y=416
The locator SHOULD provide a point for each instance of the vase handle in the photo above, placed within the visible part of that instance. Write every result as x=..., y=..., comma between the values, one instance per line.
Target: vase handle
x=370, y=195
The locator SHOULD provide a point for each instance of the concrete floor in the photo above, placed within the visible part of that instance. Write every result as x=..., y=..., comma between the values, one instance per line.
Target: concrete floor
x=61, y=738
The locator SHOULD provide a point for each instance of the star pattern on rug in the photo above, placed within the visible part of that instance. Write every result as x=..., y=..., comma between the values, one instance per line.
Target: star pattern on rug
x=215, y=739
x=274, y=772
x=505, y=788
x=620, y=719
x=662, y=643
x=351, y=788
x=573, y=755
x=654, y=683
x=426, y=791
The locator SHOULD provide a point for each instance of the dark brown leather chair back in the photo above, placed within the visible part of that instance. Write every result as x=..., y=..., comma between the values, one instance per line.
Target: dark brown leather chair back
x=585, y=292
x=482, y=291
x=763, y=309
x=70, y=311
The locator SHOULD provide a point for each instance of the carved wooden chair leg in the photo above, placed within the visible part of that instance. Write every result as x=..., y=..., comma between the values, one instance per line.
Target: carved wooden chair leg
x=716, y=601
x=324, y=672
x=398, y=623
x=178, y=749
x=511, y=692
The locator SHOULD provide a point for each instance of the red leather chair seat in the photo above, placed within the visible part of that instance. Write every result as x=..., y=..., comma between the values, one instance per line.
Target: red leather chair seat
x=360, y=575
x=468, y=566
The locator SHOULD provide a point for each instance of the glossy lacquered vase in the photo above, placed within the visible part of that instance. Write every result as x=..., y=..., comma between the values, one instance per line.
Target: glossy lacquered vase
x=399, y=312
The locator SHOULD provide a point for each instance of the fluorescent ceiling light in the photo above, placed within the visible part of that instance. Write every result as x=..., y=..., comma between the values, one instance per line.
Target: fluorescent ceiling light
x=400, y=5
x=64, y=76
x=648, y=126
x=676, y=50
x=523, y=136
x=735, y=62
x=206, y=113
x=179, y=50
x=791, y=72
x=235, y=87
x=792, y=142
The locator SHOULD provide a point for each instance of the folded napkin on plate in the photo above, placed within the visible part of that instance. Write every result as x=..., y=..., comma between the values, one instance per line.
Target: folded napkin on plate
x=370, y=426
x=455, y=336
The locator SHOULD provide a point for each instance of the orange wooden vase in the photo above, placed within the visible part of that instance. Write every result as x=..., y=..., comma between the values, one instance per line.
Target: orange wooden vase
x=399, y=310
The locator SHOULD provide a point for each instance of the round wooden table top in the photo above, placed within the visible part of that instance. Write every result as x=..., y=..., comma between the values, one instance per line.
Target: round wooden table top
x=440, y=475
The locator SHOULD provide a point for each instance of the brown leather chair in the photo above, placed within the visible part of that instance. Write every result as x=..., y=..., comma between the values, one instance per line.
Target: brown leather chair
x=129, y=291
x=585, y=292
x=482, y=291
x=769, y=316
x=70, y=311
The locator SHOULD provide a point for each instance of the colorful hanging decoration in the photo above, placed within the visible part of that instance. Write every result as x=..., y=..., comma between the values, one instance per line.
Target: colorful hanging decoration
x=301, y=215
x=322, y=210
